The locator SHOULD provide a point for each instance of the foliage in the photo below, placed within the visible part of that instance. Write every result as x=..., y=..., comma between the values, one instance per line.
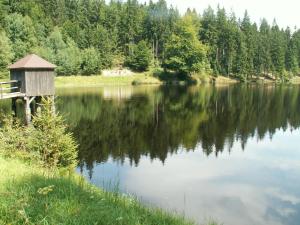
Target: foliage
x=13, y=137
x=21, y=32
x=140, y=56
x=102, y=31
x=6, y=53
x=184, y=52
x=90, y=63
x=68, y=60
x=47, y=141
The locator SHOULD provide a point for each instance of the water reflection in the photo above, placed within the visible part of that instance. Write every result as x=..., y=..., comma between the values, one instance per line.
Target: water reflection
x=155, y=122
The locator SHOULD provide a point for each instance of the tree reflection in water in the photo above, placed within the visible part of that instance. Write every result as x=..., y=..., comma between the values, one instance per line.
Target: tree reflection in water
x=156, y=122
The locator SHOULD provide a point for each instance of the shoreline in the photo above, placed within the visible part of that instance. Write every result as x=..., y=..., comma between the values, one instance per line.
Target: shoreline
x=147, y=79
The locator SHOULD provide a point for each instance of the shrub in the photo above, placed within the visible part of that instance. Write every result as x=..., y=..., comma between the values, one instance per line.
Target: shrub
x=13, y=137
x=47, y=140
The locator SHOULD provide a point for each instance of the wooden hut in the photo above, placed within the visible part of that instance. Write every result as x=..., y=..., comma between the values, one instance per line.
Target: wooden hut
x=35, y=77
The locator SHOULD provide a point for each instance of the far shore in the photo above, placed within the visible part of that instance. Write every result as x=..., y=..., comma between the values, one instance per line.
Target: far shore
x=145, y=79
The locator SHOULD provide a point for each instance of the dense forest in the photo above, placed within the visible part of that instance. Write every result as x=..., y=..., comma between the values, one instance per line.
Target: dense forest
x=87, y=36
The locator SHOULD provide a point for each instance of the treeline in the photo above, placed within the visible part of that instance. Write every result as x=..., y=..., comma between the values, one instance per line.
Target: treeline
x=87, y=36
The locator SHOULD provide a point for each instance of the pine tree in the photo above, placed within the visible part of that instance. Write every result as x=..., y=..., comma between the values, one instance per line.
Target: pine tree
x=291, y=61
x=263, y=54
x=249, y=34
x=277, y=50
x=241, y=67
x=209, y=36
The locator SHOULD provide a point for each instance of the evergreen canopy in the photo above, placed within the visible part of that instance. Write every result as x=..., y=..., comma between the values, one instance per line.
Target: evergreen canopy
x=86, y=36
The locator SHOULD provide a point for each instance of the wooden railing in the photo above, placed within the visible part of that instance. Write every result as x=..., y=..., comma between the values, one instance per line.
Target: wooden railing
x=9, y=89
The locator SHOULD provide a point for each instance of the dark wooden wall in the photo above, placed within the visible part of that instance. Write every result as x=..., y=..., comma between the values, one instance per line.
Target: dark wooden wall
x=20, y=76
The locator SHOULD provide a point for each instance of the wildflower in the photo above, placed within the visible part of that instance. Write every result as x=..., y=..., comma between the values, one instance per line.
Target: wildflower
x=45, y=190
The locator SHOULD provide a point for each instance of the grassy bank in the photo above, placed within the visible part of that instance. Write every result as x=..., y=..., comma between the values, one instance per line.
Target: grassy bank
x=90, y=81
x=30, y=194
x=137, y=79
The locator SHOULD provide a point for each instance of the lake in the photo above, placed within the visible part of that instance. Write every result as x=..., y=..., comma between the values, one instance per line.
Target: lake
x=228, y=153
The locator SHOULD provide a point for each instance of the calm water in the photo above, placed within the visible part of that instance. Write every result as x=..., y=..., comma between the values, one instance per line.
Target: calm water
x=228, y=153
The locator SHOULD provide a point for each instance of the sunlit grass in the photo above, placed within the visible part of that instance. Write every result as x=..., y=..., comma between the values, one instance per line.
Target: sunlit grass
x=90, y=81
x=32, y=195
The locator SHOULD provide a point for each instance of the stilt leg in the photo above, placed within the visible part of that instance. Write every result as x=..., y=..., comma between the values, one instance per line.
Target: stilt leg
x=27, y=110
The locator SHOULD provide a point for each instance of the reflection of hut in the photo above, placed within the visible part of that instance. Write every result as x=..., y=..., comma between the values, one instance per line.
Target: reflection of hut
x=35, y=77
x=117, y=92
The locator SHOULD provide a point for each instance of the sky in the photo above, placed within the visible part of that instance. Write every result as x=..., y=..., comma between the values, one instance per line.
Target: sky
x=287, y=12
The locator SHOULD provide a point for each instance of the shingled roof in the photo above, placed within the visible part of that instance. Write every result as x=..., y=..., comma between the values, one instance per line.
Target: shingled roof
x=32, y=62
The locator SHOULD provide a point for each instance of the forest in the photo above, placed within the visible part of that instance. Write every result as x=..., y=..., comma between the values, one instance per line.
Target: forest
x=84, y=37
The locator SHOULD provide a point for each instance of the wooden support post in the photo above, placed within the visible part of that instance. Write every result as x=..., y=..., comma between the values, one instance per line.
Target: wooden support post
x=28, y=114
x=27, y=110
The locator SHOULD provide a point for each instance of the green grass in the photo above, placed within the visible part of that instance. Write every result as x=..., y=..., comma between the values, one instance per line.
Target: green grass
x=33, y=195
x=90, y=81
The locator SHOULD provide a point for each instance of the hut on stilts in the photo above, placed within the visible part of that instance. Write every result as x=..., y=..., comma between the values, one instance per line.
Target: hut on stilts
x=31, y=78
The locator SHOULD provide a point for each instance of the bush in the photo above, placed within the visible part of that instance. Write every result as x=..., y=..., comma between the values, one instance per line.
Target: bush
x=13, y=137
x=46, y=140
x=90, y=62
